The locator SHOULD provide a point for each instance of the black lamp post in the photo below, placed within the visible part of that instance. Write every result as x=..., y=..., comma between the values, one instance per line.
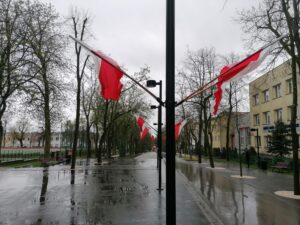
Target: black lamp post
x=170, y=114
x=153, y=83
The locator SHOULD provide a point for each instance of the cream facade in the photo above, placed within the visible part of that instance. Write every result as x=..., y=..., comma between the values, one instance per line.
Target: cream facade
x=270, y=101
x=219, y=125
x=31, y=140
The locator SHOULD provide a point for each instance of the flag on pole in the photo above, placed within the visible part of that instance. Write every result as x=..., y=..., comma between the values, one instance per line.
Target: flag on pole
x=109, y=76
x=140, y=121
x=152, y=138
x=178, y=128
x=144, y=133
x=236, y=70
x=142, y=126
x=241, y=68
x=108, y=71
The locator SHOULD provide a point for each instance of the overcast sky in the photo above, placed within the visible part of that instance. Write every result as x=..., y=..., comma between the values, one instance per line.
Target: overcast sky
x=133, y=31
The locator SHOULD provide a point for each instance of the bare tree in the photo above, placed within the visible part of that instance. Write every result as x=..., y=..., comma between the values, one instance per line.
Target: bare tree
x=14, y=67
x=230, y=103
x=46, y=45
x=199, y=67
x=270, y=20
x=20, y=130
x=89, y=96
x=79, y=27
x=107, y=114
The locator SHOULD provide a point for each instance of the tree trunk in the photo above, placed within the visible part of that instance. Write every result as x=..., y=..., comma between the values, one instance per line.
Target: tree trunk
x=1, y=137
x=98, y=152
x=200, y=136
x=210, y=146
x=104, y=131
x=47, y=118
x=228, y=122
x=206, y=141
x=75, y=140
x=88, y=139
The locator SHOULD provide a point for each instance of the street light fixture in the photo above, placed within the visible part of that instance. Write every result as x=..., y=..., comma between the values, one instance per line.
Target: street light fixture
x=151, y=84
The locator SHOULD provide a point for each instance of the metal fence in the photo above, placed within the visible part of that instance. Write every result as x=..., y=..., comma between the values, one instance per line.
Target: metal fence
x=23, y=154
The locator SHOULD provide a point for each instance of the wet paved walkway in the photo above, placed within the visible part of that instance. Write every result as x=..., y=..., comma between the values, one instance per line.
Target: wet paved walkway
x=248, y=201
x=121, y=193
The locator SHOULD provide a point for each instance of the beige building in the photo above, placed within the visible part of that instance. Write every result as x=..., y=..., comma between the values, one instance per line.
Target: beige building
x=219, y=125
x=270, y=101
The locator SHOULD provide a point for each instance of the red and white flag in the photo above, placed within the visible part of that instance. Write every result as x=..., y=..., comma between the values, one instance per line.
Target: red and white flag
x=109, y=76
x=178, y=128
x=241, y=68
x=140, y=121
x=142, y=126
x=236, y=70
x=144, y=133
x=152, y=138
x=108, y=71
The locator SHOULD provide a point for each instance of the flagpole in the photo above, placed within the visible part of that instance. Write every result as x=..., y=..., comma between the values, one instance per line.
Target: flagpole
x=204, y=87
x=88, y=48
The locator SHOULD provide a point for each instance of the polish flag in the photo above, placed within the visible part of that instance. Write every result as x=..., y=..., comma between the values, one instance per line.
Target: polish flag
x=108, y=71
x=109, y=76
x=152, y=138
x=178, y=128
x=140, y=121
x=144, y=133
x=236, y=70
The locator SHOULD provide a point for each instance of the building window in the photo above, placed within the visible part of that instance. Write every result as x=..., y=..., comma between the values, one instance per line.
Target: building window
x=267, y=141
x=289, y=86
x=57, y=138
x=257, y=139
x=242, y=136
x=255, y=99
x=278, y=114
x=266, y=95
x=256, y=119
x=289, y=112
x=277, y=90
x=267, y=117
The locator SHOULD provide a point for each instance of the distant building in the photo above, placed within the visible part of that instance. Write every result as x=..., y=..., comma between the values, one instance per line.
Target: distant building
x=31, y=140
x=219, y=125
x=270, y=101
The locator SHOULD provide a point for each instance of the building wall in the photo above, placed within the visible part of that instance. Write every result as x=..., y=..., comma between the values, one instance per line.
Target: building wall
x=219, y=130
x=31, y=140
x=275, y=107
x=244, y=128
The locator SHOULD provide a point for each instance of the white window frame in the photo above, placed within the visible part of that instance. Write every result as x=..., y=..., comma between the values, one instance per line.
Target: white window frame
x=266, y=95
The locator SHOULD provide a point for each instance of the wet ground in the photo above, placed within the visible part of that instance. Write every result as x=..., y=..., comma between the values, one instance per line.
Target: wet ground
x=248, y=201
x=124, y=192
x=121, y=193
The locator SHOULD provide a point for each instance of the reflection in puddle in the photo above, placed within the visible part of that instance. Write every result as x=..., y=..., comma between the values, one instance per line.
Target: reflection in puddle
x=238, y=203
x=44, y=185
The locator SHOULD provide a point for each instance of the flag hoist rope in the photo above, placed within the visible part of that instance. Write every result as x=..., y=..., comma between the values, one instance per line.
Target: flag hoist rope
x=211, y=82
x=128, y=76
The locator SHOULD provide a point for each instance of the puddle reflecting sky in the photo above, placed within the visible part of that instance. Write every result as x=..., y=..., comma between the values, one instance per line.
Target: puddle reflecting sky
x=237, y=201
